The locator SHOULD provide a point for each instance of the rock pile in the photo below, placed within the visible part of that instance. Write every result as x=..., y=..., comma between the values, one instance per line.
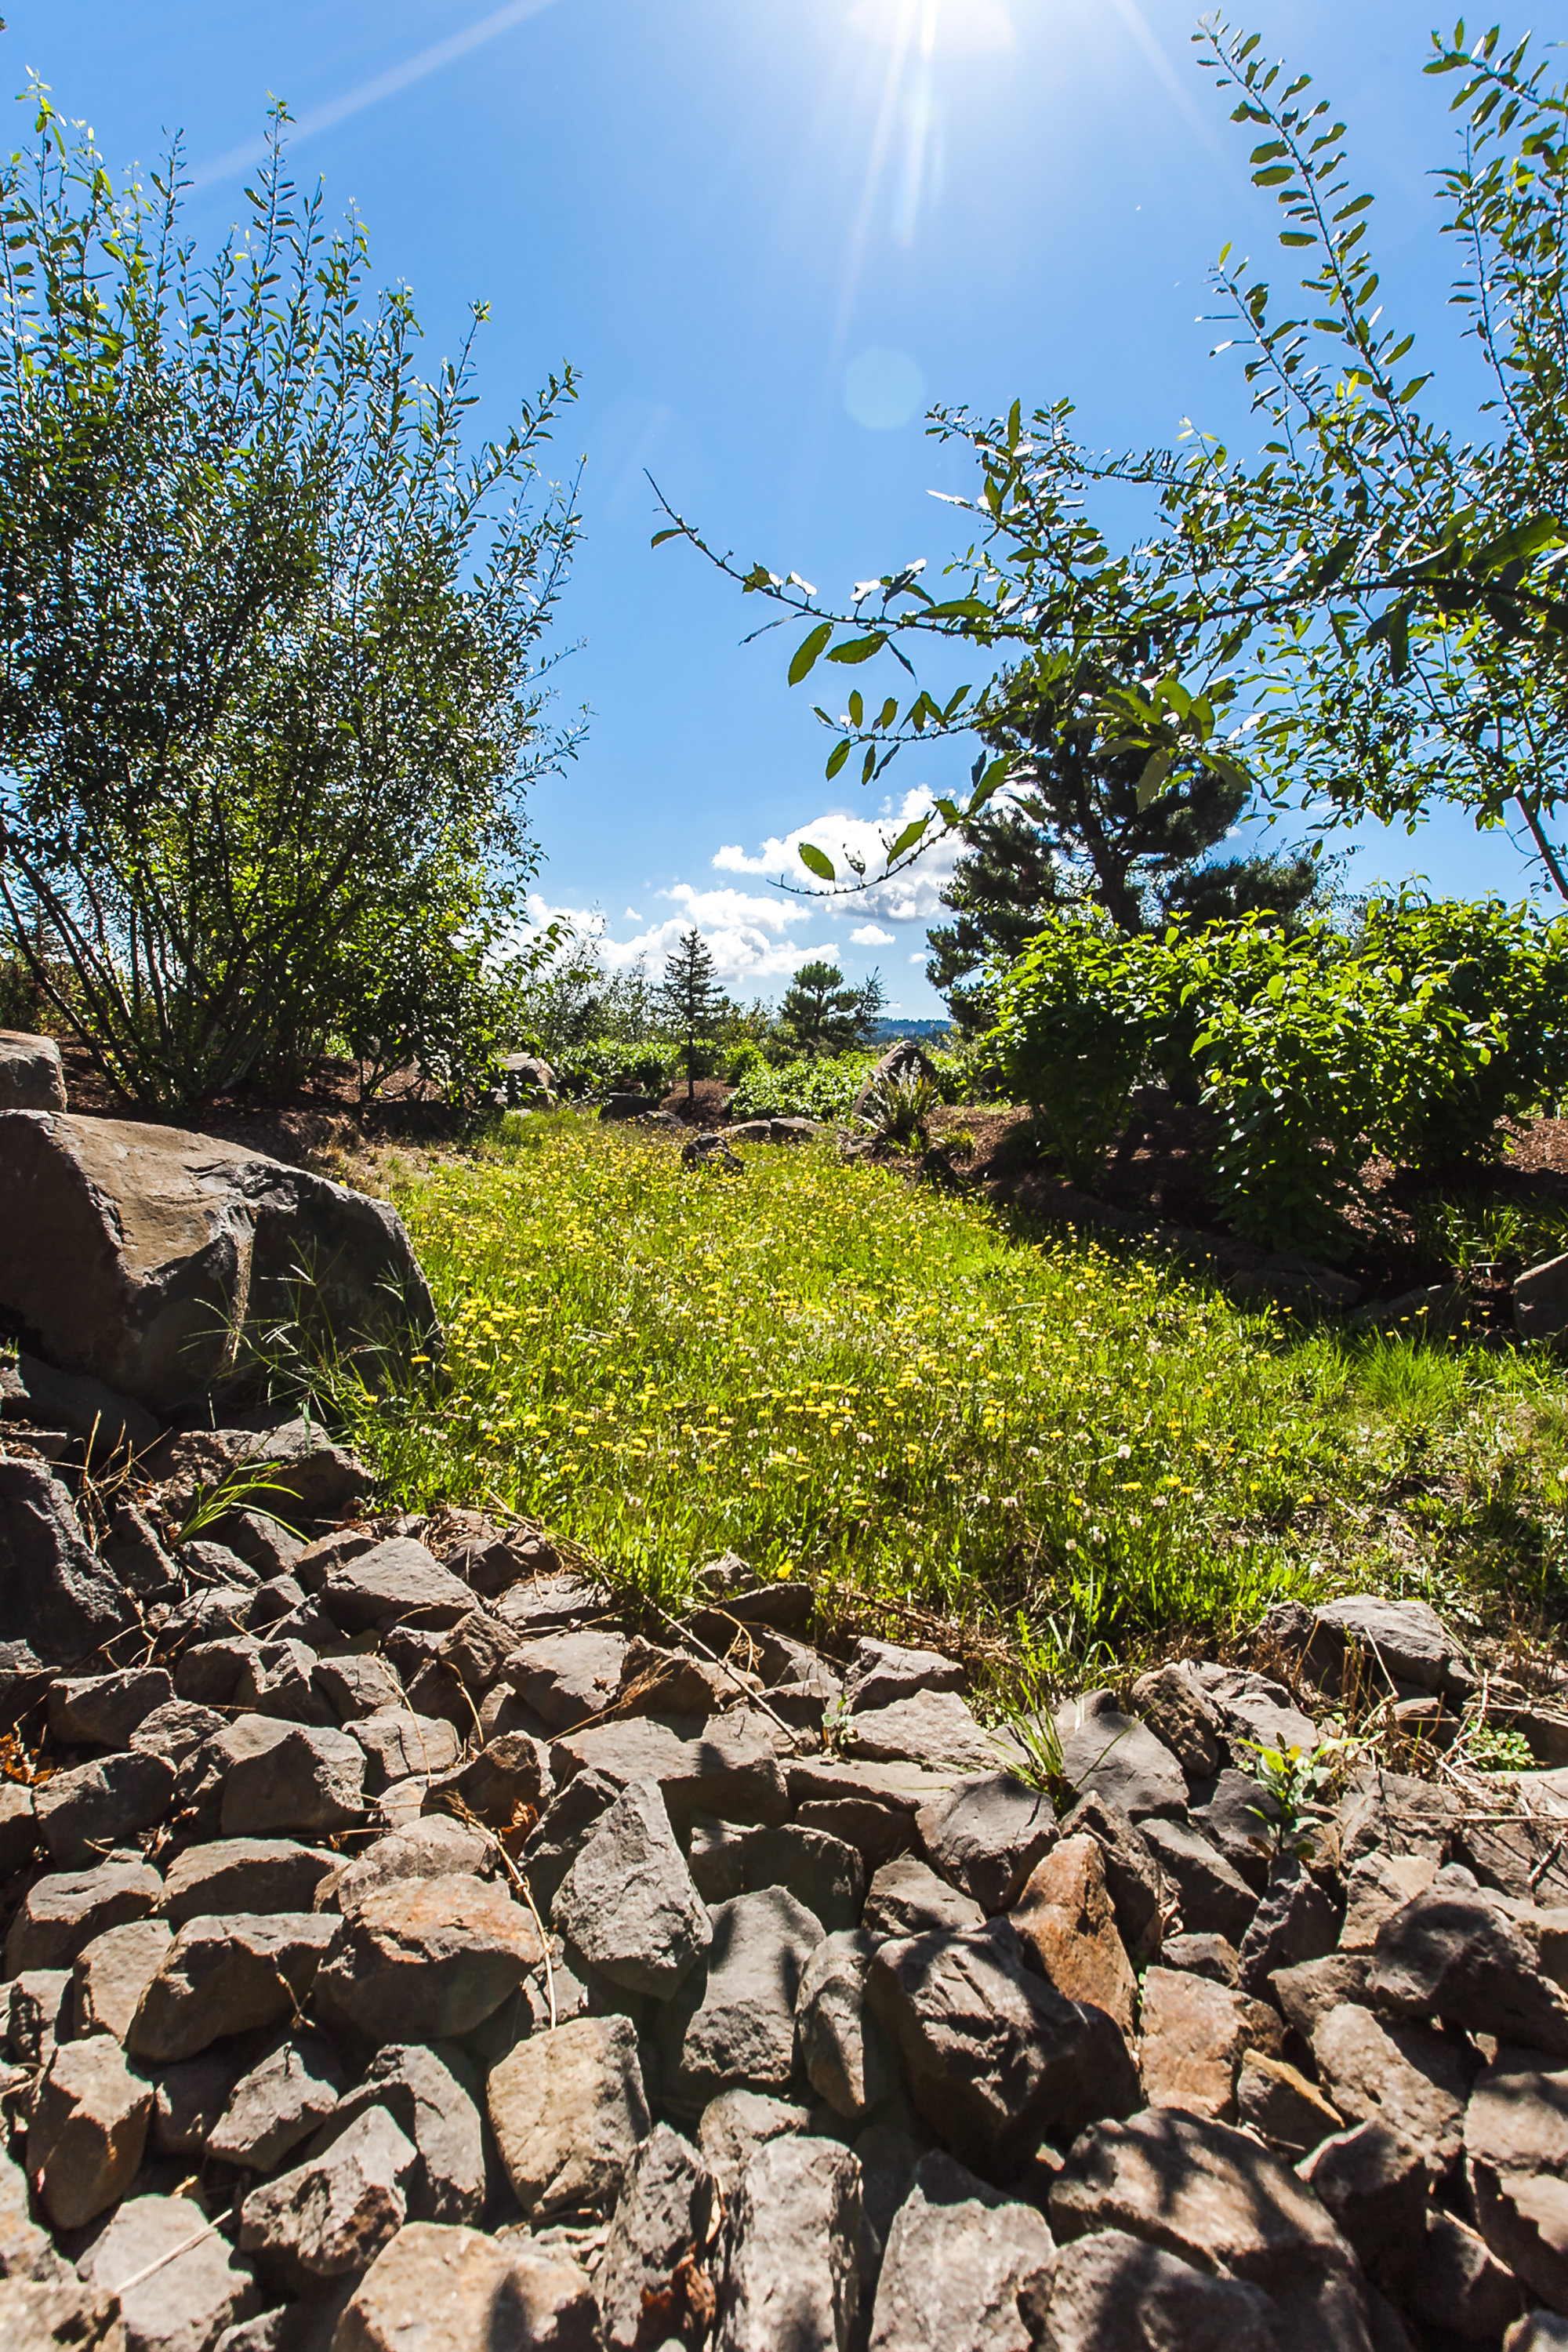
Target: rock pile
x=402, y=1950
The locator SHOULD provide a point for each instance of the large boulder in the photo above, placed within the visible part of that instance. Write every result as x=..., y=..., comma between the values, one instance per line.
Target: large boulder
x=134, y=1252
x=32, y=1076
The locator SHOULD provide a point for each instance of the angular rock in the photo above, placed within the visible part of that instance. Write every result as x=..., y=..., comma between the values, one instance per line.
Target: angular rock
x=845, y=2058
x=103, y=1710
x=199, y=2287
x=1119, y=1759
x=877, y=1832
x=793, y=2275
x=437, y=2289
x=290, y=1776
x=1391, y=1812
x=37, y=2014
x=331, y=2216
x=1140, y=1894
x=1405, y=2077
x=1113, y=2292
x=1376, y=2187
x=57, y=1598
x=820, y=1871
x=568, y=2110
x=906, y=1898
x=1215, y=1898
x=1458, y=2284
x=1067, y=1926
x=508, y=1784
x=432, y=2092
x=175, y=1729
x=223, y=1977
x=568, y=1679
x=424, y=1958
x=192, y=2096
x=18, y=1828
x=1449, y=1954
x=32, y=1075
x=1396, y=1641
x=399, y=1744
x=1239, y=1817
x=1516, y=2160
x=901, y=1787
x=1294, y=1924
x=112, y=1972
x=89, y=2127
x=732, y=2024
x=1214, y=2198
x=1276, y=2102
x=1204, y=1956
x=60, y=1914
x=1177, y=1713
x=996, y=2058
x=357, y=1686
x=244, y=1875
x=1307, y=1994
x=882, y=1674
x=1380, y=1884
x=656, y=1681
x=39, y=2317
x=986, y=1837
x=277, y=1679
x=435, y=1847
x=936, y=1728
x=1539, y=2331
x=1254, y=1711
x=725, y=1767
x=655, y=2280
x=280, y=2102
x=1196, y=2037
x=736, y=2124
x=396, y=1579
x=628, y=1903
x=476, y=1649
x=26, y=2251
x=85, y=1813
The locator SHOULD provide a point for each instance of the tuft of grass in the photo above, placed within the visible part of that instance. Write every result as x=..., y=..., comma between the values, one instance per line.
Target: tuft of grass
x=879, y=1387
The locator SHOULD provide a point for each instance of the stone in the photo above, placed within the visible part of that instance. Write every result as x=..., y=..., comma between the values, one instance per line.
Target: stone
x=129, y=1249
x=111, y=1973
x=244, y=1875
x=277, y=1679
x=568, y=2110
x=1275, y=2100
x=822, y=1872
x=564, y=1829
x=59, y=1915
x=956, y=2257
x=1067, y=1926
x=1120, y=1759
x=32, y=1075
x=134, y=1552
x=434, y=2288
x=103, y=1710
x=357, y=1686
x=306, y=1477
x=628, y=1903
x=424, y=1959
x=207, y=1672
x=434, y=1847
x=1294, y=1924
x=290, y=1776
x=200, y=2287
x=37, y=2014
x=280, y=2102
x=1211, y=2196
x=725, y=1767
x=1376, y=2185
x=656, y=1681
x=986, y=1837
x=1399, y=1641
x=228, y=1976
x=1238, y=1816
x=1179, y=1716
x=1254, y=1711
x=1391, y=1813
x=1405, y=2077
x=1458, y=2284
x=39, y=2315
x=1380, y=1884
x=1516, y=2162
x=508, y=1784
x=568, y=1679
x=736, y=2124
x=1214, y=1899
x=732, y=2023
x=1307, y=1994
x=814, y=1780
x=996, y=2058
x=85, y=1813
x=842, y=2049
x=394, y=1579
x=1140, y=1894
x=88, y=2129
x=476, y=1649
x=18, y=1828
x=176, y=1729
x=1113, y=2292
x=332, y=2215
x=1521, y=1858
x=399, y=1744
x=57, y=1598
x=1195, y=2036
x=793, y=2277
x=1539, y=2331
x=191, y=2094
x=877, y=1832
x=882, y=1674
x=935, y=1727
x=1450, y=1954
x=1204, y=1956
x=432, y=2092
x=653, y=2280
x=37, y=1396
x=26, y=2250
x=906, y=1898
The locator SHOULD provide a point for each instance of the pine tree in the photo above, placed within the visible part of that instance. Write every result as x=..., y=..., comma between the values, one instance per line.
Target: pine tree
x=824, y=1014
x=690, y=999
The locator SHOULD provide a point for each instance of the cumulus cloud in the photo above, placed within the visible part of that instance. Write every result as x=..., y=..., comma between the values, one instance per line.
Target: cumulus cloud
x=870, y=935
x=909, y=897
x=747, y=936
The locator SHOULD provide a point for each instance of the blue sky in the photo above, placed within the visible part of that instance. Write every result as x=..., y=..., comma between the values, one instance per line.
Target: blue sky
x=766, y=232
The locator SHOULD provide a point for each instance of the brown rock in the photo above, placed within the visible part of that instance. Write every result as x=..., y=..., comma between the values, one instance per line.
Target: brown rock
x=1376, y=2187
x=1458, y=2284
x=113, y=1973
x=1176, y=1712
x=1111, y=2293
x=1405, y=2077
x=1516, y=2158
x=332, y=2215
x=1380, y=1884
x=435, y=2288
x=1067, y=1928
x=1196, y=2034
x=222, y=1976
x=88, y=2130
x=427, y=1957
x=934, y=1728
x=725, y=1767
x=568, y=2108
x=38, y=2316
x=1281, y=2106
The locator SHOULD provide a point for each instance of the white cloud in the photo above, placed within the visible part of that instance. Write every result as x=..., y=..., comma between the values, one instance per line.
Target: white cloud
x=910, y=897
x=745, y=935
x=919, y=956
x=871, y=935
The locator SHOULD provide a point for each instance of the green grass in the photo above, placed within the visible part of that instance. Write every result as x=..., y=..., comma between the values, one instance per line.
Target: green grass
x=841, y=1375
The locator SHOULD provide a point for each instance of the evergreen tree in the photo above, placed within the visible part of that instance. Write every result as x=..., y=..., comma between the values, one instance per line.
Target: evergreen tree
x=824, y=1014
x=691, y=999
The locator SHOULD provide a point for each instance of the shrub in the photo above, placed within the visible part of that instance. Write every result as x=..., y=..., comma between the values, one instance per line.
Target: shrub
x=1079, y=1011
x=608, y=1065
x=820, y=1089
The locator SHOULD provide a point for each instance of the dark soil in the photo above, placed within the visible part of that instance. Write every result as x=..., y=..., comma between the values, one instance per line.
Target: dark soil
x=706, y=1105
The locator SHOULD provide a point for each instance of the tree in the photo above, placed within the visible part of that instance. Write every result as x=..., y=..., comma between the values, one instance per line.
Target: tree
x=270, y=693
x=824, y=1014
x=690, y=999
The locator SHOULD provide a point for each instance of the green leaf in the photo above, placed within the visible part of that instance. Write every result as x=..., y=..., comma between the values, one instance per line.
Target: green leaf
x=854, y=649
x=807, y=652
x=817, y=862
x=1151, y=784
x=1274, y=177
x=675, y=532
x=837, y=757
x=906, y=840
x=856, y=708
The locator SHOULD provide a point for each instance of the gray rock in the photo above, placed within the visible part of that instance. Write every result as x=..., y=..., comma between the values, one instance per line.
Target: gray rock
x=1214, y=1899
x=290, y=1776
x=56, y=1597
x=36, y=2315
x=425, y=1958
x=244, y=1875
x=654, y=2271
x=725, y=1767
x=1393, y=1641
x=1254, y=1710
x=1458, y=2284
x=1294, y=1922
x=568, y=2110
x=1450, y=1955
x=564, y=1829
x=736, y=2124
x=1405, y=2077
x=628, y=1903
x=907, y=1897
x=61, y=1914
x=732, y=2024
x=26, y=2250
x=358, y=1687
x=1113, y=2292
x=438, y=2289
x=1391, y=1812
x=888, y=2154
x=793, y=2275
x=1306, y=1994
x=1378, y=2187
x=435, y=1847
x=508, y=1779
x=207, y=1672
x=18, y=1828
x=88, y=2129
x=37, y=2014
x=1516, y=2162
x=1120, y=1759
x=820, y=1871
x=432, y=2091
x=1177, y=1713
x=877, y=1832
x=1237, y=1817
x=192, y=2096
x=111, y=1973
x=401, y=1746
x=1380, y=1884
x=1539, y=2331
x=934, y=1728
x=846, y=2058
x=331, y=2216
x=1140, y=1894
x=278, y=2104
x=32, y=1075
x=986, y=1837
x=277, y=1679
x=996, y=2058
x=1204, y=1956
x=1275, y=2100
x=199, y=2287
x=882, y=1674
x=222, y=1976
x=132, y=1551
x=84, y=1813
x=397, y=1579
x=956, y=2258
x=103, y=1710
x=176, y=1729
x=568, y=1679
x=475, y=1650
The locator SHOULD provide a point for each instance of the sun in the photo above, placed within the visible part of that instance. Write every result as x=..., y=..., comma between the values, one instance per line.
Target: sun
x=950, y=27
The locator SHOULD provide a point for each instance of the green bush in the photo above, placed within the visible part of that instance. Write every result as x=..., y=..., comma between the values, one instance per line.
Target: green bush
x=1078, y=1017
x=607, y=1065
x=821, y=1089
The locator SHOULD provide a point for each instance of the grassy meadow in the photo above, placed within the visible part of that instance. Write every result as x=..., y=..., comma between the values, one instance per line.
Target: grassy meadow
x=841, y=1375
